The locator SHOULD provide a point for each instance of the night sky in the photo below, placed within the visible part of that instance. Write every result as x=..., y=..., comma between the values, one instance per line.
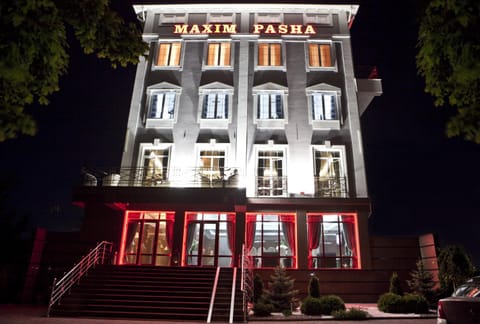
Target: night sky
x=419, y=181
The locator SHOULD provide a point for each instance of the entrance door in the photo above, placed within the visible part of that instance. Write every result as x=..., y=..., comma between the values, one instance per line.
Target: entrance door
x=209, y=240
x=148, y=238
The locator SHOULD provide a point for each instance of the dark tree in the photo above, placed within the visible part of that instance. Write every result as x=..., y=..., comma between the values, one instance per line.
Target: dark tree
x=395, y=287
x=280, y=292
x=314, y=287
x=33, y=43
x=421, y=281
x=454, y=267
x=449, y=48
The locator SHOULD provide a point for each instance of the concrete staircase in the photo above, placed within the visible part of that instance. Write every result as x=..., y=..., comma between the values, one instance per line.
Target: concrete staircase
x=178, y=293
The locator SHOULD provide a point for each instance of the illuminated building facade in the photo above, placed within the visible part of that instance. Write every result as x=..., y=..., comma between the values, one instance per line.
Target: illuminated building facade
x=244, y=131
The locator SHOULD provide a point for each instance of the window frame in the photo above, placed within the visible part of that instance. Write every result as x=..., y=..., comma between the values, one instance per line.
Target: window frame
x=270, y=89
x=281, y=67
x=212, y=147
x=206, y=66
x=178, y=18
x=318, y=124
x=140, y=173
x=273, y=18
x=215, y=88
x=225, y=17
x=283, y=148
x=344, y=188
x=260, y=255
x=163, y=87
x=313, y=18
x=159, y=43
x=332, y=67
x=339, y=258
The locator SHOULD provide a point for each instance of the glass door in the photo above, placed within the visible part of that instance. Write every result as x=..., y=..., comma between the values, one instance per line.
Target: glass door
x=209, y=239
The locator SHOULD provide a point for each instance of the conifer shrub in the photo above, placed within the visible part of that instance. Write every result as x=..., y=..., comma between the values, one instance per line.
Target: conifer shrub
x=262, y=308
x=415, y=303
x=391, y=303
x=311, y=306
x=330, y=304
x=314, y=287
x=353, y=314
x=395, y=287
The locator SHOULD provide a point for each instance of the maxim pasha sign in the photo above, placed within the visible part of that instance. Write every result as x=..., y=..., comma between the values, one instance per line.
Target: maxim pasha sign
x=232, y=29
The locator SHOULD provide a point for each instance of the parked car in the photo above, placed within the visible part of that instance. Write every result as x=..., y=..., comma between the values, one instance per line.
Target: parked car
x=463, y=307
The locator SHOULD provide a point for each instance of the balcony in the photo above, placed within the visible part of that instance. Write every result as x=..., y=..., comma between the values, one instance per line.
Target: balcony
x=164, y=177
x=196, y=177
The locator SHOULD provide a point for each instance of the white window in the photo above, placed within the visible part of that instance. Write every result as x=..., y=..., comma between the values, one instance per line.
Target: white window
x=169, y=55
x=270, y=103
x=317, y=19
x=270, y=173
x=329, y=171
x=170, y=19
x=324, y=106
x=218, y=55
x=270, y=106
x=153, y=164
x=162, y=105
x=215, y=105
x=225, y=18
x=269, y=18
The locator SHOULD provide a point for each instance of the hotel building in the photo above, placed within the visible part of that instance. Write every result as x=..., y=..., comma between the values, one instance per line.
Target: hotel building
x=244, y=136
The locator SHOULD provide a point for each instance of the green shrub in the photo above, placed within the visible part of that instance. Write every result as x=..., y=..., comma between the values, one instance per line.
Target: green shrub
x=415, y=304
x=262, y=309
x=287, y=312
x=391, y=303
x=311, y=306
x=351, y=314
x=330, y=304
x=314, y=287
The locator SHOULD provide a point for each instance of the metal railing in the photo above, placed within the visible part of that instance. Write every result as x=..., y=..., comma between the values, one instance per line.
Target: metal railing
x=164, y=177
x=246, y=280
x=335, y=187
x=200, y=177
x=97, y=255
x=212, y=298
x=270, y=186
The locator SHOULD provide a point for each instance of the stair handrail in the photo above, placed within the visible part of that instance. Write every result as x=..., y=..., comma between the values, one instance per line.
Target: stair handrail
x=212, y=299
x=97, y=255
x=232, y=300
x=246, y=280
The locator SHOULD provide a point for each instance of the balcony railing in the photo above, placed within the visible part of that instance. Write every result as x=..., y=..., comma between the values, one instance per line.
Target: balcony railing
x=265, y=186
x=163, y=177
x=335, y=187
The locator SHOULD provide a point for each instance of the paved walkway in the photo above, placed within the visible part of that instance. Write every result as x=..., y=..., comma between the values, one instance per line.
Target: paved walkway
x=28, y=314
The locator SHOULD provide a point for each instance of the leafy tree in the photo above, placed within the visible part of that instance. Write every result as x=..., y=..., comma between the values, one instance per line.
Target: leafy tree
x=449, y=49
x=454, y=267
x=280, y=292
x=395, y=287
x=33, y=43
x=421, y=281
